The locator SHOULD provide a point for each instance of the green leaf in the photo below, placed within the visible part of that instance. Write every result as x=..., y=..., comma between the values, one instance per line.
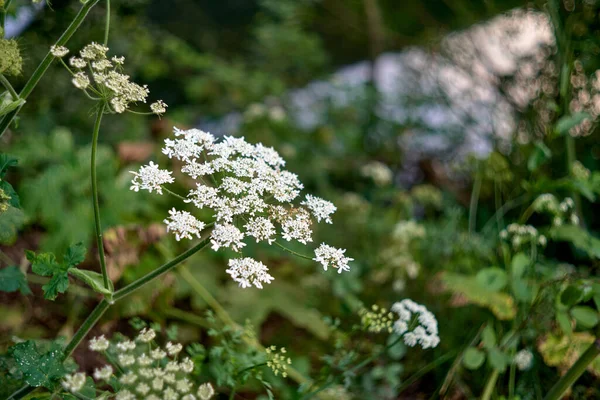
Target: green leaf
x=93, y=279
x=579, y=237
x=39, y=369
x=524, y=291
x=75, y=255
x=493, y=279
x=569, y=121
x=488, y=337
x=519, y=264
x=58, y=284
x=564, y=322
x=498, y=360
x=12, y=279
x=44, y=264
x=501, y=304
x=473, y=358
x=571, y=295
x=540, y=155
x=585, y=316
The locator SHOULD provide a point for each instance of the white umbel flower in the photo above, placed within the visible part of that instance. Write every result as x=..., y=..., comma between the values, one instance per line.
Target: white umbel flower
x=247, y=272
x=99, y=343
x=426, y=332
x=150, y=178
x=81, y=81
x=246, y=189
x=74, y=383
x=146, y=335
x=159, y=107
x=59, y=51
x=329, y=256
x=104, y=373
x=183, y=224
x=321, y=209
x=261, y=228
x=173, y=348
x=205, y=391
x=523, y=359
x=227, y=235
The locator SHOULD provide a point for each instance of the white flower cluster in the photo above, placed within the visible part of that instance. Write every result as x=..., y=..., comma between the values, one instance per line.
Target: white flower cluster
x=330, y=256
x=105, y=79
x=560, y=211
x=520, y=235
x=247, y=272
x=523, y=359
x=143, y=370
x=250, y=195
x=410, y=314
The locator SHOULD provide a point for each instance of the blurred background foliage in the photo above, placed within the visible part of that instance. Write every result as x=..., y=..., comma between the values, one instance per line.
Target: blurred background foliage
x=405, y=209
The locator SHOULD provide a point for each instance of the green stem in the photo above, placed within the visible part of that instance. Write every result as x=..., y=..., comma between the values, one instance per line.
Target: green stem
x=293, y=252
x=172, y=193
x=9, y=87
x=107, y=23
x=490, y=385
x=98, y=226
x=163, y=269
x=232, y=394
x=473, y=204
x=87, y=325
x=574, y=372
x=3, y=11
x=45, y=64
x=511, y=380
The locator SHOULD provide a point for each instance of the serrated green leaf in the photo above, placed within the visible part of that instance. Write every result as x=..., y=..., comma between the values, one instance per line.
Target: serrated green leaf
x=39, y=369
x=58, y=284
x=493, y=279
x=12, y=279
x=569, y=121
x=585, y=316
x=44, y=264
x=75, y=255
x=92, y=279
x=473, y=358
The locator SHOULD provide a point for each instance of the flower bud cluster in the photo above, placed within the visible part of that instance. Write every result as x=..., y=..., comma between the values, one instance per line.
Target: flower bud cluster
x=523, y=359
x=376, y=320
x=250, y=195
x=278, y=361
x=416, y=324
x=102, y=76
x=143, y=370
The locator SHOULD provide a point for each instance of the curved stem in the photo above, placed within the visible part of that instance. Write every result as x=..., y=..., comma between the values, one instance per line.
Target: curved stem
x=107, y=23
x=163, y=269
x=87, y=325
x=9, y=87
x=45, y=64
x=293, y=252
x=97, y=224
x=172, y=193
x=574, y=372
